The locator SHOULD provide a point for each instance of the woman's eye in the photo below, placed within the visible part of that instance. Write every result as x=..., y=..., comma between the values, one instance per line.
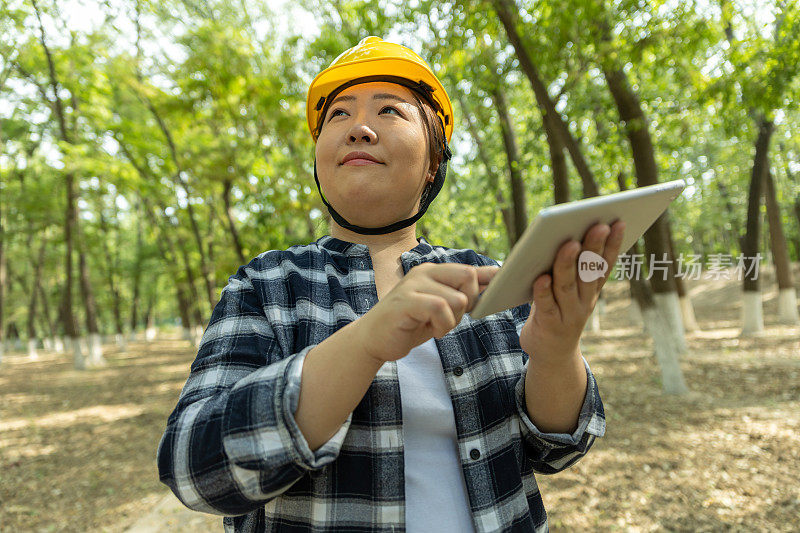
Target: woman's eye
x=333, y=113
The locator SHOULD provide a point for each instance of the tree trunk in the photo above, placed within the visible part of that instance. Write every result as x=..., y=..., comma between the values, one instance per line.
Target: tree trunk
x=198, y=315
x=95, y=349
x=34, y=298
x=137, y=275
x=787, y=299
x=110, y=271
x=559, y=163
x=687, y=309
x=752, y=310
x=3, y=278
x=656, y=237
x=183, y=309
x=67, y=312
x=514, y=170
x=51, y=326
x=657, y=325
x=149, y=318
x=506, y=12
x=226, y=198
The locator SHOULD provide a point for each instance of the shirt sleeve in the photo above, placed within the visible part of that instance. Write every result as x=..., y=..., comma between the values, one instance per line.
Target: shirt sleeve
x=232, y=443
x=554, y=452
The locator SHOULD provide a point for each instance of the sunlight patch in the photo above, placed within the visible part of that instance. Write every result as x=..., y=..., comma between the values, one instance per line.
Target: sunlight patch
x=98, y=413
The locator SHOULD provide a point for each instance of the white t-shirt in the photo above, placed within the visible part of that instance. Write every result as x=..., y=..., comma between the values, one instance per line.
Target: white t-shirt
x=436, y=495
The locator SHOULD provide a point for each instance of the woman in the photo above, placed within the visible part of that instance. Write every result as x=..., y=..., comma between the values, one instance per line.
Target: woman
x=341, y=386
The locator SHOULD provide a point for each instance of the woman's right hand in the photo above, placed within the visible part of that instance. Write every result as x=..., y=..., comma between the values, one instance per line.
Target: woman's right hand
x=428, y=302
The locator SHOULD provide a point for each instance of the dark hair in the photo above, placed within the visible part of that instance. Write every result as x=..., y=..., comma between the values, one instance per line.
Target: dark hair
x=434, y=134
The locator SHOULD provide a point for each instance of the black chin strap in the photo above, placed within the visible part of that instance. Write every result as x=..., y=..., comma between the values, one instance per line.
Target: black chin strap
x=430, y=192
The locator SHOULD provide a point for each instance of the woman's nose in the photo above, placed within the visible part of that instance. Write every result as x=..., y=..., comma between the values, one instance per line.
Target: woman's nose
x=361, y=131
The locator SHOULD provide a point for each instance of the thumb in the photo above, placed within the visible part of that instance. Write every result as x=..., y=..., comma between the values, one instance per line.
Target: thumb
x=543, y=298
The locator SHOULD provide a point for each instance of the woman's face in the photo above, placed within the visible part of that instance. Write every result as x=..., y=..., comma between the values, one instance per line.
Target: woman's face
x=381, y=119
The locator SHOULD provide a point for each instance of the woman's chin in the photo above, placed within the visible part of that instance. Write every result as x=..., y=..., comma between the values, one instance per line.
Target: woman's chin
x=374, y=217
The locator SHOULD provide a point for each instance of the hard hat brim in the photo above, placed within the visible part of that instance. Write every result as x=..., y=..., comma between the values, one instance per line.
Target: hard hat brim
x=333, y=77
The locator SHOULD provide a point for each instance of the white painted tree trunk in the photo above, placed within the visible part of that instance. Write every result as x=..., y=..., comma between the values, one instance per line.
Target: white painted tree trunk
x=635, y=314
x=687, y=313
x=33, y=355
x=84, y=345
x=58, y=344
x=660, y=329
x=752, y=313
x=78, y=360
x=187, y=334
x=198, y=334
x=150, y=333
x=669, y=305
x=787, y=307
x=47, y=344
x=2, y=351
x=121, y=344
x=17, y=344
x=96, y=351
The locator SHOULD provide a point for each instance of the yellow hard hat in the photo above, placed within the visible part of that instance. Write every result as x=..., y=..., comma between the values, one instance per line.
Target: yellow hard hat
x=374, y=59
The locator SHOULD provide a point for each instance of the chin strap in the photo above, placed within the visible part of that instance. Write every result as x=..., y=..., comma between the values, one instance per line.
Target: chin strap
x=430, y=192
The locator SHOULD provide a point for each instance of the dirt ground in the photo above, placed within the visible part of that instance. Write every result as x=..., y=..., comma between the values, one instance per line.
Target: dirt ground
x=77, y=449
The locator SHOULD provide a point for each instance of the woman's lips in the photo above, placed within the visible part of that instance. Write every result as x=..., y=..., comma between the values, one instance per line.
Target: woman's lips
x=360, y=162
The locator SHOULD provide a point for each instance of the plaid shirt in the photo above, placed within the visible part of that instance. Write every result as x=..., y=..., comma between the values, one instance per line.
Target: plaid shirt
x=232, y=446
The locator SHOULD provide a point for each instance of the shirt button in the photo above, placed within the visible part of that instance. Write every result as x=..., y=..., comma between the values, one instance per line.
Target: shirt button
x=458, y=371
x=475, y=454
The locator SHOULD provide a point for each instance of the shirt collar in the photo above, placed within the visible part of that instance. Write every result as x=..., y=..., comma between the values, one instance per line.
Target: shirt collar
x=332, y=244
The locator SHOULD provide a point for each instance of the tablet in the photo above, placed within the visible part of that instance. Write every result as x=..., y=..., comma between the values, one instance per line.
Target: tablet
x=535, y=251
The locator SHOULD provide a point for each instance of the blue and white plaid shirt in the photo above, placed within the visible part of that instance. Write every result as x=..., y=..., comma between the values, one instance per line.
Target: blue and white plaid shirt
x=232, y=446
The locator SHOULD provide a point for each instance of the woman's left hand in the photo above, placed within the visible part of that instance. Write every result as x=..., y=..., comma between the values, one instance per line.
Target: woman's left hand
x=562, y=306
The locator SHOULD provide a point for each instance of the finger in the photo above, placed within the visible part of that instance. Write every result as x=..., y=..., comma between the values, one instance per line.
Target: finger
x=471, y=289
x=543, y=300
x=448, y=273
x=594, y=240
x=458, y=300
x=565, y=287
x=436, y=311
x=486, y=273
x=464, y=278
x=612, y=247
x=485, y=276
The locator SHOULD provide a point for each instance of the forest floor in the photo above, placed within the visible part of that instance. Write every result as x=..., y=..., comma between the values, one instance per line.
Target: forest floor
x=77, y=449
